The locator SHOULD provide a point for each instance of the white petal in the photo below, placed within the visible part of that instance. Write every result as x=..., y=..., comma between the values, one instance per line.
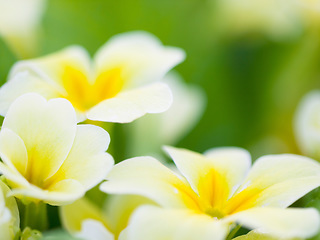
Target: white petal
x=130, y=105
x=61, y=193
x=94, y=230
x=51, y=68
x=307, y=124
x=140, y=55
x=277, y=181
x=157, y=224
x=147, y=177
x=281, y=223
x=47, y=130
x=87, y=161
x=20, y=84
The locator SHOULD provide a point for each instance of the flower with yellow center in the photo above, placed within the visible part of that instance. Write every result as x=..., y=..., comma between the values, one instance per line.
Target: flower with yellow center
x=121, y=84
x=9, y=214
x=307, y=125
x=46, y=156
x=216, y=190
x=19, y=22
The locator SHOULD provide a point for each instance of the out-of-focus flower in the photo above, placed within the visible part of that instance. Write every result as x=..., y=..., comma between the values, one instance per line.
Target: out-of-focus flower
x=9, y=214
x=19, y=22
x=215, y=191
x=150, y=132
x=259, y=236
x=307, y=125
x=85, y=220
x=278, y=19
x=46, y=156
x=119, y=85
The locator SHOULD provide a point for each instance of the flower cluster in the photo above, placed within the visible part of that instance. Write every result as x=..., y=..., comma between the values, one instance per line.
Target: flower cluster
x=58, y=111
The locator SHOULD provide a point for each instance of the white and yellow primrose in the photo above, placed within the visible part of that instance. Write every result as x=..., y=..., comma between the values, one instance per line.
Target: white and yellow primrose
x=19, y=23
x=46, y=155
x=120, y=84
x=307, y=125
x=215, y=191
x=83, y=219
x=9, y=214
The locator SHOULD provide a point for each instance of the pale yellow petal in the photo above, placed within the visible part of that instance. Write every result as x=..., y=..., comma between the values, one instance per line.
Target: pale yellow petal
x=87, y=161
x=20, y=84
x=61, y=193
x=47, y=130
x=73, y=215
x=140, y=56
x=147, y=177
x=276, y=181
x=307, y=125
x=280, y=223
x=13, y=152
x=118, y=209
x=132, y=104
x=54, y=67
x=254, y=235
x=158, y=224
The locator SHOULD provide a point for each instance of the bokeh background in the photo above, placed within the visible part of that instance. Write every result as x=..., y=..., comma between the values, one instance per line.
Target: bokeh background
x=253, y=79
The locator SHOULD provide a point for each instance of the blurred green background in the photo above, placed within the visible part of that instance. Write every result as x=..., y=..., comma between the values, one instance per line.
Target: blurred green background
x=253, y=84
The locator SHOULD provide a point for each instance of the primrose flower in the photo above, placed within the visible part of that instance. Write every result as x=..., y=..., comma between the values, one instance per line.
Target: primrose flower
x=215, y=191
x=9, y=214
x=46, y=156
x=19, y=20
x=119, y=85
x=85, y=220
x=150, y=132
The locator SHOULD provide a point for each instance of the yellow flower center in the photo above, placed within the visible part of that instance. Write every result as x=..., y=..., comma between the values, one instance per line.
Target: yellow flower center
x=83, y=94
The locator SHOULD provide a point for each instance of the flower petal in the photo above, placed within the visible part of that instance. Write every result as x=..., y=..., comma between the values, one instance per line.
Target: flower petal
x=173, y=224
x=280, y=223
x=73, y=215
x=13, y=152
x=87, y=161
x=276, y=181
x=92, y=229
x=20, y=84
x=213, y=176
x=130, y=105
x=254, y=235
x=47, y=130
x=147, y=177
x=61, y=193
x=139, y=55
x=307, y=124
x=52, y=67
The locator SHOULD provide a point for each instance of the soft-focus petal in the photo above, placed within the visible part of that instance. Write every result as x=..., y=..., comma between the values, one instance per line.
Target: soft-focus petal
x=20, y=84
x=47, y=130
x=87, y=161
x=60, y=193
x=119, y=208
x=157, y=224
x=276, y=181
x=74, y=214
x=132, y=104
x=94, y=230
x=281, y=223
x=140, y=56
x=253, y=235
x=307, y=125
x=53, y=68
x=147, y=177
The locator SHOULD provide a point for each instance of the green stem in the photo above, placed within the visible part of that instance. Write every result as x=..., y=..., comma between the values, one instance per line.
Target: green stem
x=233, y=232
x=35, y=216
